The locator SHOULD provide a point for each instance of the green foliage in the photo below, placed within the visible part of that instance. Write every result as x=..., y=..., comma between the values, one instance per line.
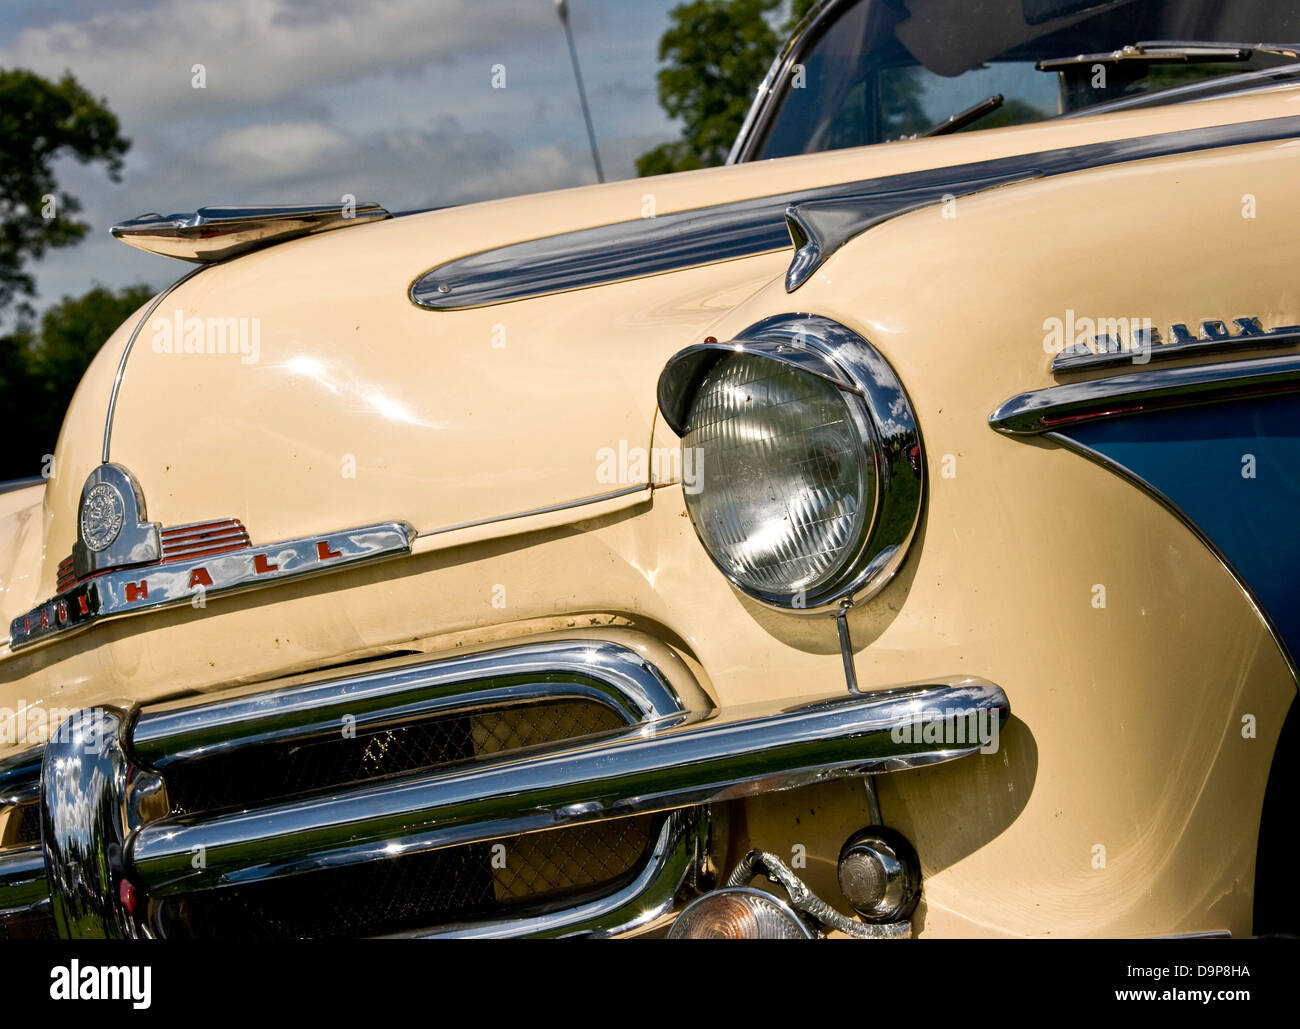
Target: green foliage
x=39, y=122
x=39, y=370
x=716, y=53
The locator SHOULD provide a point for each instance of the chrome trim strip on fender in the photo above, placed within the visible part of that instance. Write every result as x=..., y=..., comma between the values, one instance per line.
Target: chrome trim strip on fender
x=746, y=228
x=643, y=487
x=818, y=228
x=678, y=761
x=1056, y=407
x=149, y=587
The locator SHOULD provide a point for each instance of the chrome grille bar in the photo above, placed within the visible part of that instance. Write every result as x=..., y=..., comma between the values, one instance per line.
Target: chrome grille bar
x=587, y=669
x=22, y=879
x=675, y=762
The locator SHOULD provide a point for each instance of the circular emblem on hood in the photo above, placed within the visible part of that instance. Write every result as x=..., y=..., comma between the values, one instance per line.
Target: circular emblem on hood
x=101, y=516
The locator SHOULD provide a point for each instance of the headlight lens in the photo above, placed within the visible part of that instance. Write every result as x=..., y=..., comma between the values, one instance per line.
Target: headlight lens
x=790, y=476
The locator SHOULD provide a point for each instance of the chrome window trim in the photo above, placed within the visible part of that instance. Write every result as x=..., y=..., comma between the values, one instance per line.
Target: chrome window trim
x=771, y=91
x=759, y=116
x=886, y=422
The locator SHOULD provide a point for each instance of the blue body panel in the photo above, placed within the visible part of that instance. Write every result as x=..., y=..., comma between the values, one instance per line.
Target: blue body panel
x=1200, y=458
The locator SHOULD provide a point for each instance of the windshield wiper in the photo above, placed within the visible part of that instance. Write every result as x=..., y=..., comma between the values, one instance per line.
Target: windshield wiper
x=1171, y=52
x=963, y=118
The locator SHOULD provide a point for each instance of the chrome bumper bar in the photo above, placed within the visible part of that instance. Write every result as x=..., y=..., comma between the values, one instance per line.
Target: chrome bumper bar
x=101, y=859
x=679, y=761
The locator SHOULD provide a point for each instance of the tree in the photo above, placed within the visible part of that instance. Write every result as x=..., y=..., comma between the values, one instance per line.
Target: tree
x=39, y=370
x=39, y=122
x=716, y=54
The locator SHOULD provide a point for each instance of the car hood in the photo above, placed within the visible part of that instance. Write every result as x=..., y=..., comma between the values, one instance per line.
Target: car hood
x=350, y=405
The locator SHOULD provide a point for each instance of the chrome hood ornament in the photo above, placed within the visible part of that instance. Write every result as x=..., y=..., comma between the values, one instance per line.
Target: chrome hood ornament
x=220, y=233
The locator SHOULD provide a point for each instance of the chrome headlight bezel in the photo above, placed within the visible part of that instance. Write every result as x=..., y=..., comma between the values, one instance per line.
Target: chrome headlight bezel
x=880, y=409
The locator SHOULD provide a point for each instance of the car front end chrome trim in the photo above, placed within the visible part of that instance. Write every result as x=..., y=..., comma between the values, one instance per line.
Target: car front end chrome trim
x=84, y=776
x=149, y=587
x=1058, y=407
x=213, y=234
x=1146, y=344
x=597, y=670
x=654, y=895
x=115, y=762
x=681, y=761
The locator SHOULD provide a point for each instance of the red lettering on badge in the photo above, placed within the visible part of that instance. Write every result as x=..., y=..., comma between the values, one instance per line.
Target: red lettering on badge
x=137, y=591
x=324, y=553
x=200, y=577
x=261, y=565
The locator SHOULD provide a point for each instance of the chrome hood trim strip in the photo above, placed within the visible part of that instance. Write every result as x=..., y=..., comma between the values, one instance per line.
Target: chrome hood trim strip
x=746, y=228
x=126, y=355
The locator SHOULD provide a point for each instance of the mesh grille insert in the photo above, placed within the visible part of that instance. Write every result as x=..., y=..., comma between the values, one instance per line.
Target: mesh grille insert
x=507, y=878
x=421, y=890
x=282, y=771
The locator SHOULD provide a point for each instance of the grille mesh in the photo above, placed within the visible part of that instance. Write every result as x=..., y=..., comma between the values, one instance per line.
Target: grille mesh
x=414, y=891
x=287, y=771
x=26, y=827
x=420, y=890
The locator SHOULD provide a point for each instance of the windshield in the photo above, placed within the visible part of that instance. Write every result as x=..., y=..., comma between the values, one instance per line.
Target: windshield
x=880, y=70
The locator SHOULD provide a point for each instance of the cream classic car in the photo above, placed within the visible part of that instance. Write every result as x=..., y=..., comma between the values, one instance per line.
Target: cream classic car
x=883, y=535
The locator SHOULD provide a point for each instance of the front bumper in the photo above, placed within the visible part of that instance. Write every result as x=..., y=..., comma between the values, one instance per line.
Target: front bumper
x=114, y=851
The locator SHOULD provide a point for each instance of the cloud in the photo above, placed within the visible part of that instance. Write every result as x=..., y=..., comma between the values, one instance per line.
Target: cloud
x=256, y=51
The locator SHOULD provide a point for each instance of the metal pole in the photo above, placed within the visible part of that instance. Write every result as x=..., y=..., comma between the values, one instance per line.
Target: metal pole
x=562, y=9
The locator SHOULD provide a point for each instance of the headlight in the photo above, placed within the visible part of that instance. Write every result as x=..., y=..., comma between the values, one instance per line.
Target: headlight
x=809, y=463
x=789, y=487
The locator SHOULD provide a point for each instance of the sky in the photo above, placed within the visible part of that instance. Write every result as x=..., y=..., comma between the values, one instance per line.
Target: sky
x=304, y=101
